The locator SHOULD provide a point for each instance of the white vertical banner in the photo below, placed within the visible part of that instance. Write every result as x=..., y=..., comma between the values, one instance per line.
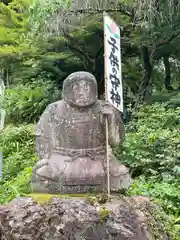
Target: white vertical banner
x=113, y=71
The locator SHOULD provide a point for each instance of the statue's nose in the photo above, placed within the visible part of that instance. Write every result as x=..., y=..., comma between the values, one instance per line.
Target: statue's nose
x=81, y=90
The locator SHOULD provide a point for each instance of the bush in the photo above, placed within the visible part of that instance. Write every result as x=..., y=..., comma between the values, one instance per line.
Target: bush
x=171, y=99
x=19, y=157
x=16, y=187
x=165, y=194
x=18, y=148
x=152, y=144
x=24, y=104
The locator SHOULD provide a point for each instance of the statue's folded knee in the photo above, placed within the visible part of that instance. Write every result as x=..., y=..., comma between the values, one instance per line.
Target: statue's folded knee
x=48, y=171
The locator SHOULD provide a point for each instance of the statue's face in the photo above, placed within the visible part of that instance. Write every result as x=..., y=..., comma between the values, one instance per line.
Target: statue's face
x=80, y=92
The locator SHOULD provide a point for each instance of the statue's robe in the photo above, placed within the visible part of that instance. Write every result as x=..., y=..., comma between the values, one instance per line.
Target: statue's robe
x=71, y=146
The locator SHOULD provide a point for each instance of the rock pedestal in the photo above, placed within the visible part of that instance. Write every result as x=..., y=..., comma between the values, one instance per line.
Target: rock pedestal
x=78, y=219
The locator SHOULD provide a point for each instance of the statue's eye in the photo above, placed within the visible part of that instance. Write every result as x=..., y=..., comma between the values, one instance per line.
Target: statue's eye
x=74, y=87
x=86, y=86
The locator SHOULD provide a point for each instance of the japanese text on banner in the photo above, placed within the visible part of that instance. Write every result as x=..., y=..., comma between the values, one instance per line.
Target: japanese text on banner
x=113, y=63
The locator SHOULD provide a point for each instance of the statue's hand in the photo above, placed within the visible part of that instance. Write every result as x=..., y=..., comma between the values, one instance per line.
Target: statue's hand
x=107, y=109
x=42, y=163
x=40, y=168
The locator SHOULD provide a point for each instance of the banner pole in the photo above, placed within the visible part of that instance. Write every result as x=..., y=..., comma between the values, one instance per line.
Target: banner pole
x=106, y=119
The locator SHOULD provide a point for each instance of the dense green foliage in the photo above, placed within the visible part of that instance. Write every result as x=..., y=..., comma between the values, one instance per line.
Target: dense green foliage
x=151, y=151
x=41, y=42
x=25, y=103
x=19, y=156
x=153, y=142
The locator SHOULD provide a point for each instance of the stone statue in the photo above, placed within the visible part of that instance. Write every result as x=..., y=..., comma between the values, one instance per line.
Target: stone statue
x=71, y=142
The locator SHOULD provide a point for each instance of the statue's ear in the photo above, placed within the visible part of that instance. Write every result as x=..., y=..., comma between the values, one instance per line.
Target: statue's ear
x=63, y=94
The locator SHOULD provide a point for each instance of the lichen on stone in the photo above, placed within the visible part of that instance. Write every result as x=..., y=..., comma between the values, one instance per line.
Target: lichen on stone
x=104, y=213
x=41, y=198
x=101, y=198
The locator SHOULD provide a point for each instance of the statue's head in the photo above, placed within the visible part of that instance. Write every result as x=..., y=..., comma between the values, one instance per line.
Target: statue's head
x=80, y=89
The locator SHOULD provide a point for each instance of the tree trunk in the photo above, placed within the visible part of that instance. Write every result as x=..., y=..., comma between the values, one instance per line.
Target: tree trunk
x=167, y=80
x=145, y=89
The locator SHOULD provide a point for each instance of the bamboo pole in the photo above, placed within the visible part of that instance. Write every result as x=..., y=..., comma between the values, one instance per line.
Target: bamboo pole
x=106, y=119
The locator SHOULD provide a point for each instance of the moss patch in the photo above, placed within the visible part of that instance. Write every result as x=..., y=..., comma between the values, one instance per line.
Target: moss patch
x=100, y=199
x=42, y=198
x=45, y=198
x=104, y=213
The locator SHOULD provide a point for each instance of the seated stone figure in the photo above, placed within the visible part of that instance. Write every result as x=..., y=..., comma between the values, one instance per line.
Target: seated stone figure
x=71, y=142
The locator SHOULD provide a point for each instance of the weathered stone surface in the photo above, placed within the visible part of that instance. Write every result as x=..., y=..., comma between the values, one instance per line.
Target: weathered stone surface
x=77, y=219
x=71, y=142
